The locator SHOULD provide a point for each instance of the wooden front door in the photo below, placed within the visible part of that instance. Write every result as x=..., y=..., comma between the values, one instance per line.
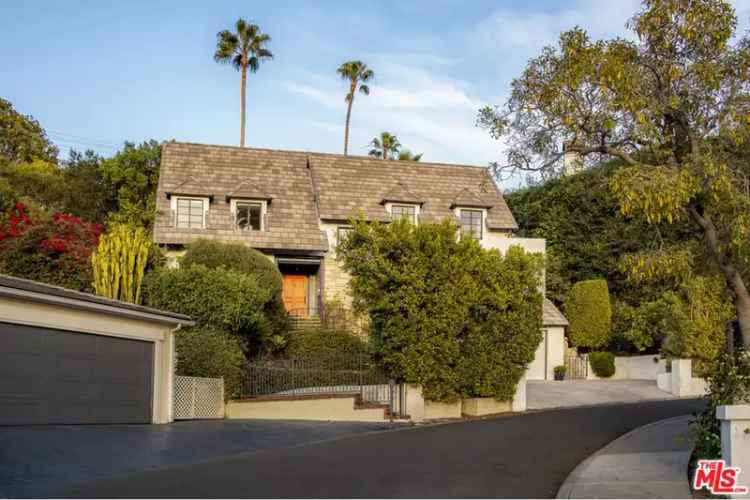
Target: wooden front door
x=295, y=294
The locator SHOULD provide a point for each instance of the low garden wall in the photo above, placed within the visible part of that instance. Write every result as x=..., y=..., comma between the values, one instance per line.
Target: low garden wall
x=680, y=381
x=646, y=367
x=314, y=407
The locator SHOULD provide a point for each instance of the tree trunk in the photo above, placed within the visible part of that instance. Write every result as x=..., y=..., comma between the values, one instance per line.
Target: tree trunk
x=346, y=128
x=243, y=88
x=732, y=277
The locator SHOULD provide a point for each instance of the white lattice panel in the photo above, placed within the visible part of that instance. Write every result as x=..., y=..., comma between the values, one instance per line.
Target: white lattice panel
x=197, y=397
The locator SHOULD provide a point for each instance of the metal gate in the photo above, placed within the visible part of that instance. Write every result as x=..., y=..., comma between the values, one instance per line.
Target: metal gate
x=577, y=367
x=198, y=398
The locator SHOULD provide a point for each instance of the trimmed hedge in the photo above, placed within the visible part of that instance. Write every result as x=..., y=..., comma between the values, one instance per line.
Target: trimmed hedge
x=274, y=326
x=602, y=363
x=589, y=313
x=215, y=298
x=234, y=256
x=206, y=352
x=323, y=342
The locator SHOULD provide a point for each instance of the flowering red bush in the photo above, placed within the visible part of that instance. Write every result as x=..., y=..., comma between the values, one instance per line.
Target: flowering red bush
x=54, y=249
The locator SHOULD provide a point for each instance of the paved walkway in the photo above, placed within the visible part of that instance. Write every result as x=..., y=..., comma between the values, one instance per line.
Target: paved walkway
x=542, y=394
x=518, y=456
x=648, y=462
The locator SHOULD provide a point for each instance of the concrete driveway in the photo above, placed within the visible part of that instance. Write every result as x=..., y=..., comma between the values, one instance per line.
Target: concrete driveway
x=542, y=394
x=43, y=461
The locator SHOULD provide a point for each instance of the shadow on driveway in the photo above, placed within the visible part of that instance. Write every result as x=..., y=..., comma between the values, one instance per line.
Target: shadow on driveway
x=41, y=461
x=519, y=456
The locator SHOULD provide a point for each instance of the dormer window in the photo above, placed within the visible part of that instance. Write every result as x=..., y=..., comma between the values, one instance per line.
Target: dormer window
x=249, y=215
x=407, y=212
x=472, y=222
x=189, y=212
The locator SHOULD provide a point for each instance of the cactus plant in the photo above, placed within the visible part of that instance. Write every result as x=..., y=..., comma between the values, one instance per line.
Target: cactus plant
x=120, y=261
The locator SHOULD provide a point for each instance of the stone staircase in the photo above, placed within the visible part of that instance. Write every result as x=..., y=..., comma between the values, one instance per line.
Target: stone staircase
x=301, y=323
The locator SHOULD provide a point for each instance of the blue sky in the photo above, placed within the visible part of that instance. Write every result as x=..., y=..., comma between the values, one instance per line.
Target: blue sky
x=97, y=73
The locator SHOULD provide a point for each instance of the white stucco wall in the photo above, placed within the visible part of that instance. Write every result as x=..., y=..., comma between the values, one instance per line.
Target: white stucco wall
x=552, y=347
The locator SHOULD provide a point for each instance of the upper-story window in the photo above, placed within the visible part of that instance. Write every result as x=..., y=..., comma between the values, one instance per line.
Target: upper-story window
x=342, y=232
x=190, y=213
x=249, y=215
x=471, y=222
x=408, y=212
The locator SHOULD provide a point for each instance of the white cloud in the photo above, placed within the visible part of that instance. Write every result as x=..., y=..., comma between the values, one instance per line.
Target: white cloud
x=431, y=115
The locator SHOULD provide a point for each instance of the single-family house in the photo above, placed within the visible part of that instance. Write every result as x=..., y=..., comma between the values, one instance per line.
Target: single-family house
x=294, y=206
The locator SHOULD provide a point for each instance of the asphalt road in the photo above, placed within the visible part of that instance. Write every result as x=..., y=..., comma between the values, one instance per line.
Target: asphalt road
x=518, y=456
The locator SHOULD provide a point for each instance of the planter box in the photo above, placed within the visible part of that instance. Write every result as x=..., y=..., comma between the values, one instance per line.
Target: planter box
x=478, y=407
x=434, y=410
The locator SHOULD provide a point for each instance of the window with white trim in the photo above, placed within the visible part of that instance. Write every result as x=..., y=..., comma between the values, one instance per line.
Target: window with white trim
x=408, y=212
x=249, y=215
x=472, y=223
x=190, y=213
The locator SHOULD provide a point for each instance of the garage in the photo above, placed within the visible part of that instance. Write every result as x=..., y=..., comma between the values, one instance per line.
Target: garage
x=72, y=358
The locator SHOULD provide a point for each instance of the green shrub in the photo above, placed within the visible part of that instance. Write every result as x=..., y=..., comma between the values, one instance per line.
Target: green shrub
x=215, y=298
x=235, y=256
x=602, y=363
x=560, y=370
x=241, y=258
x=205, y=352
x=589, y=312
x=323, y=342
x=444, y=312
x=728, y=384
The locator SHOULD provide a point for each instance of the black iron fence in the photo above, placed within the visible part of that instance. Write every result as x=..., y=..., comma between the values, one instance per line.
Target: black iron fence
x=335, y=374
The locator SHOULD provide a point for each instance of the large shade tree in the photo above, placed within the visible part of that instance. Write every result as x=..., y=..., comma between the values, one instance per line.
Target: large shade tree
x=357, y=74
x=673, y=105
x=244, y=49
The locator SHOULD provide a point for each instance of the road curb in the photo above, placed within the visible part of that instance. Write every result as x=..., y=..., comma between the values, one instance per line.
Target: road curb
x=573, y=478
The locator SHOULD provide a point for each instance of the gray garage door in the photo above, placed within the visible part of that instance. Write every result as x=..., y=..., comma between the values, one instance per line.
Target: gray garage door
x=56, y=377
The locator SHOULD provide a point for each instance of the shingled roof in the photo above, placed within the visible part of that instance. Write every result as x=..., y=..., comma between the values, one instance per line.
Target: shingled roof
x=347, y=185
x=551, y=315
x=308, y=187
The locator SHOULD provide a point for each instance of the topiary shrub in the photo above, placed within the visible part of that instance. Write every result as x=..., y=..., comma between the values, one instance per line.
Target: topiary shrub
x=238, y=257
x=235, y=256
x=322, y=342
x=206, y=352
x=215, y=298
x=589, y=313
x=602, y=363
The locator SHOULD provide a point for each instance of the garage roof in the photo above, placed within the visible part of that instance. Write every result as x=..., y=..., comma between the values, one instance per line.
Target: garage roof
x=23, y=289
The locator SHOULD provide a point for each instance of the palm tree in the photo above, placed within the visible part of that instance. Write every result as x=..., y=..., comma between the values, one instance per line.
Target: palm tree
x=407, y=155
x=244, y=49
x=357, y=73
x=385, y=147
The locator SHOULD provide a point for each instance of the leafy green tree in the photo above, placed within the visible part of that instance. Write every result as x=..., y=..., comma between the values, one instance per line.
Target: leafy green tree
x=671, y=105
x=357, y=74
x=86, y=192
x=22, y=139
x=244, y=49
x=407, y=155
x=590, y=314
x=385, y=147
x=557, y=210
x=445, y=313
x=133, y=174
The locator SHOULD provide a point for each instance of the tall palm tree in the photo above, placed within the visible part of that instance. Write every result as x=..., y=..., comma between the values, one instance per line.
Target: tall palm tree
x=244, y=49
x=358, y=74
x=407, y=155
x=385, y=147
